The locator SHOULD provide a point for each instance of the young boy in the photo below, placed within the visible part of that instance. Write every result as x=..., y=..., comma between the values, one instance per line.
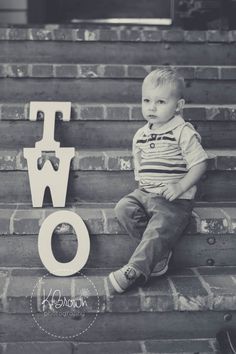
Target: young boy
x=168, y=162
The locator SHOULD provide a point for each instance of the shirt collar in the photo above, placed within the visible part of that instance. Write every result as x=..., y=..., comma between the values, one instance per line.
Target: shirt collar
x=171, y=124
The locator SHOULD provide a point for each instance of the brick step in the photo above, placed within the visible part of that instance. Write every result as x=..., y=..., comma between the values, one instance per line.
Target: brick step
x=114, y=71
x=210, y=238
x=104, y=134
x=108, y=160
x=194, y=303
x=135, y=45
x=108, y=90
x=184, y=346
x=20, y=111
x=107, y=169
x=107, y=33
x=110, y=186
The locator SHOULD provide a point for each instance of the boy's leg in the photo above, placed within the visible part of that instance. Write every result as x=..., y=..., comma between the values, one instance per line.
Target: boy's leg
x=167, y=223
x=132, y=215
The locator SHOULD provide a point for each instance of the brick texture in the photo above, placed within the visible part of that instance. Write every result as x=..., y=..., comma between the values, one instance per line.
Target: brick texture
x=119, y=347
x=212, y=224
x=42, y=70
x=27, y=221
x=207, y=73
x=117, y=113
x=94, y=112
x=180, y=346
x=173, y=35
x=175, y=293
x=195, y=36
x=4, y=281
x=37, y=348
x=13, y=112
x=112, y=71
x=112, y=160
x=218, y=36
x=152, y=34
x=9, y=111
x=20, y=293
x=40, y=34
x=66, y=71
x=18, y=33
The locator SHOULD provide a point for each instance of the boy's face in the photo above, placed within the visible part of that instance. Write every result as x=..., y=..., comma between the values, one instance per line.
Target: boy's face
x=159, y=104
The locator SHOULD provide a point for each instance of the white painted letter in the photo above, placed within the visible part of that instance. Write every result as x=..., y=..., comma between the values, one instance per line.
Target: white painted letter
x=45, y=247
x=57, y=181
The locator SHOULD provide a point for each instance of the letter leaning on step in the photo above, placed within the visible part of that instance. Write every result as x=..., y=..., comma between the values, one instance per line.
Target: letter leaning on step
x=45, y=244
x=56, y=180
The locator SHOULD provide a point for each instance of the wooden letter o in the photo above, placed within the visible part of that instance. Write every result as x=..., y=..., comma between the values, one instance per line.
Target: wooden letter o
x=45, y=245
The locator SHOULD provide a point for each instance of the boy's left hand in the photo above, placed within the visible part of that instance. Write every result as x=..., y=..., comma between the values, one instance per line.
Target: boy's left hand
x=171, y=191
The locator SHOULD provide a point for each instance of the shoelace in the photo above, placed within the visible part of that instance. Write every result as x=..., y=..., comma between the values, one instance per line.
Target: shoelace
x=127, y=275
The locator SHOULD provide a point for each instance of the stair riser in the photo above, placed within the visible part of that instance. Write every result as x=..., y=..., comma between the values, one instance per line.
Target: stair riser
x=191, y=251
x=108, y=90
x=124, y=53
x=188, y=346
x=111, y=186
x=114, y=326
x=102, y=134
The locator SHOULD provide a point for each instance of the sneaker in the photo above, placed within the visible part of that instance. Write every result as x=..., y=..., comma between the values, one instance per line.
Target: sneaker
x=123, y=278
x=162, y=266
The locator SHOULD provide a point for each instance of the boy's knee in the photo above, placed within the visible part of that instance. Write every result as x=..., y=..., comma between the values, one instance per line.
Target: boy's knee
x=120, y=208
x=125, y=208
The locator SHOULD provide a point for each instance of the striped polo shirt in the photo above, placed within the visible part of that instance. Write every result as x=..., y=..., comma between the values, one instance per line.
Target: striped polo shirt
x=165, y=155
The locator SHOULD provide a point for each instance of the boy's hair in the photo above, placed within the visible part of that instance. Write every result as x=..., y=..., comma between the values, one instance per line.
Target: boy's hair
x=166, y=76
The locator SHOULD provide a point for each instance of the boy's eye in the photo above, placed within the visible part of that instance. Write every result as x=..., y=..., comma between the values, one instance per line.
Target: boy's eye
x=146, y=100
x=160, y=102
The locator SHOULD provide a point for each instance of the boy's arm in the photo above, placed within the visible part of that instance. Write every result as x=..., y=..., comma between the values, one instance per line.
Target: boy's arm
x=196, y=160
x=136, y=157
x=172, y=191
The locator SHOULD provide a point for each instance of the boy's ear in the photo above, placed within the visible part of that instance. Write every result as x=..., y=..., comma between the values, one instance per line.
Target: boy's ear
x=180, y=105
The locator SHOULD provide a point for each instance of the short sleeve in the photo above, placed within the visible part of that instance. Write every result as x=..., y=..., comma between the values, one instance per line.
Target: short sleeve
x=190, y=144
x=136, y=155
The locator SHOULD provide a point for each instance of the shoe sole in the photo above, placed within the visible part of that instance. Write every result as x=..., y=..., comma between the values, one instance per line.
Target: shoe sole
x=114, y=283
x=164, y=270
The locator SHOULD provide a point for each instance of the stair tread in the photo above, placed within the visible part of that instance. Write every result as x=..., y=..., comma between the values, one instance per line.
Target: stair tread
x=22, y=219
x=110, y=90
x=193, y=289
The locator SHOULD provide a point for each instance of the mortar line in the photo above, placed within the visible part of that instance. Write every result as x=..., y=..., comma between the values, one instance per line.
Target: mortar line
x=175, y=294
x=105, y=225
x=202, y=281
x=11, y=224
x=107, y=294
x=206, y=287
x=143, y=347
x=230, y=228
x=4, y=293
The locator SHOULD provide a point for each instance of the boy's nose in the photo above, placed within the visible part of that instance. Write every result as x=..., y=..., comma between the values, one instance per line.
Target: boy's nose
x=152, y=107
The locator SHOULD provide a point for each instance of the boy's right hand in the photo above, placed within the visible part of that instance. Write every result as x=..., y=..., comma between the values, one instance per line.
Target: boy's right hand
x=171, y=191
